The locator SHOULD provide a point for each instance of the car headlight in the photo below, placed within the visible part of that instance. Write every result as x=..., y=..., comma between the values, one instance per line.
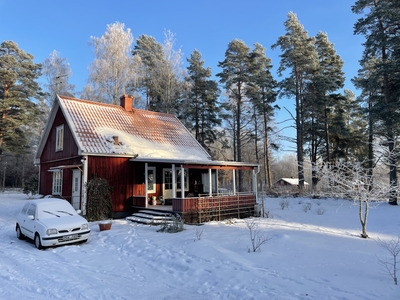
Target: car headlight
x=51, y=231
x=85, y=226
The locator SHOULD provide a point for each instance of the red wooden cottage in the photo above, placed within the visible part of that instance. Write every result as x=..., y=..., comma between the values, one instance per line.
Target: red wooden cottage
x=144, y=155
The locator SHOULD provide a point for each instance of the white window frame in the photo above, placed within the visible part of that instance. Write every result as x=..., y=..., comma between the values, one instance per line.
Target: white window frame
x=59, y=138
x=57, y=182
x=177, y=178
x=152, y=171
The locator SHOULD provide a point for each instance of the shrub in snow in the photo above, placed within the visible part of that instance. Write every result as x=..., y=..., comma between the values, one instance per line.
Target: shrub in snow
x=300, y=201
x=268, y=214
x=256, y=237
x=32, y=186
x=390, y=265
x=199, y=233
x=307, y=206
x=284, y=203
x=172, y=226
x=321, y=211
x=99, y=203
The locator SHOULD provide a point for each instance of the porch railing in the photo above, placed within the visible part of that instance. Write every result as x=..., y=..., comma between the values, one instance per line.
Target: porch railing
x=216, y=207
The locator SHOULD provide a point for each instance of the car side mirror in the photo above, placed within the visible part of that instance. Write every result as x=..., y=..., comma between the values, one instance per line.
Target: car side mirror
x=31, y=217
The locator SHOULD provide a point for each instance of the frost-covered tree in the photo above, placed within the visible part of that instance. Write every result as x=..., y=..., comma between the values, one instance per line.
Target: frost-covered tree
x=354, y=181
x=113, y=71
x=57, y=71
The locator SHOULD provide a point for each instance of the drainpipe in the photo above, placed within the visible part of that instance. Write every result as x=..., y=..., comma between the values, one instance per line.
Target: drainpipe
x=85, y=163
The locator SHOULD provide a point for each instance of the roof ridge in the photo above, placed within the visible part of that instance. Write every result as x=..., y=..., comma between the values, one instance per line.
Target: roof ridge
x=92, y=102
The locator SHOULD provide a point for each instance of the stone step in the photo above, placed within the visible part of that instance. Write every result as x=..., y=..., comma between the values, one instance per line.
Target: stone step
x=150, y=217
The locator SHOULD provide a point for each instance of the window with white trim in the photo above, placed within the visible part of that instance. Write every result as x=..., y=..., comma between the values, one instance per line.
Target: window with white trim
x=151, y=179
x=57, y=182
x=59, y=138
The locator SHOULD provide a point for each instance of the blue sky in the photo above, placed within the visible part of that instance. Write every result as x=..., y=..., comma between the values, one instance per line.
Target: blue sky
x=40, y=26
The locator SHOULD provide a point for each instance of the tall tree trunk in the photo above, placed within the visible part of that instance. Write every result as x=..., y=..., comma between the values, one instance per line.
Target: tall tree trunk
x=299, y=133
x=238, y=136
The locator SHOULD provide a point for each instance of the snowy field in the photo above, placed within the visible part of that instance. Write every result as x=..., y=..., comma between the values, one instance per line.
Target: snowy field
x=310, y=256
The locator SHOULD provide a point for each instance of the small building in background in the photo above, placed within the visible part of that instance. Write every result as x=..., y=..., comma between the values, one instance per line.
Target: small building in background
x=288, y=184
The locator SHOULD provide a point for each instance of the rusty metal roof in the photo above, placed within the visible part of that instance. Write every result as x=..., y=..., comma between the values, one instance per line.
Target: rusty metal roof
x=140, y=132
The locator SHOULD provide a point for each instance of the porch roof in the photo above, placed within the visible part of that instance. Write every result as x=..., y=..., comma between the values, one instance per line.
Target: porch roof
x=201, y=164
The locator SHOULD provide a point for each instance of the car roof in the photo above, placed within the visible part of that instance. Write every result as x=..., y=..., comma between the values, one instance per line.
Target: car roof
x=44, y=201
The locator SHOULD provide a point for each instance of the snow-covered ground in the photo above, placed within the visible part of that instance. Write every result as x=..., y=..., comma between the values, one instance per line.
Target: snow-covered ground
x=310, y=256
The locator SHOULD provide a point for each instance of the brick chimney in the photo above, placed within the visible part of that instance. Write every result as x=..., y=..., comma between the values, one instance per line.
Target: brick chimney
x=126, y=102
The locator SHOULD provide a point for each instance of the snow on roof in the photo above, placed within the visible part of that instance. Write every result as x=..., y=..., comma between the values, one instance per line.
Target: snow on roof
x=292, y=181
x=142, y=133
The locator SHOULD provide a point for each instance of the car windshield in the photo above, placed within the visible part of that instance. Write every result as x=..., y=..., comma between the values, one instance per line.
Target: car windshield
x=55, y=210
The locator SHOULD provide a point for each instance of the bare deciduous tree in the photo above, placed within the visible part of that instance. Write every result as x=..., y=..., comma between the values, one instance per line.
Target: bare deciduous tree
x=390, y=266
x=257, y=238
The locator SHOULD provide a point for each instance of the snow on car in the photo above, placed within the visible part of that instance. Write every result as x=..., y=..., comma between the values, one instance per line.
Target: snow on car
x=51, y=222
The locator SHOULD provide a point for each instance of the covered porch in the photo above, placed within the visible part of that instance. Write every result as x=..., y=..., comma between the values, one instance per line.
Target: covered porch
x=193, y=189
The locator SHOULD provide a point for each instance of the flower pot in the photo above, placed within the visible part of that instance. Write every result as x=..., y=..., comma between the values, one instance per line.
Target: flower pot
x=105, y=226
x=153, y=200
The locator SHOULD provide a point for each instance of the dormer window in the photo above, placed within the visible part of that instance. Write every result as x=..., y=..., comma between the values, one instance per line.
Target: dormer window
x=59, y=138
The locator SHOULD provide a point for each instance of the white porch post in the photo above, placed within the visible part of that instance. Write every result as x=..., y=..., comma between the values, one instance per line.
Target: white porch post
x=255, y=183
x=210, y=181
x=84, y=183
x=173, y=181
x=146, y=176
x=234, y=181
x=182, y=182
x=216, y=180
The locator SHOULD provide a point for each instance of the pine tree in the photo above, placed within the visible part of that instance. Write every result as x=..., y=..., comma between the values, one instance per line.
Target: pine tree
x=18, y=90
x=235, y=76
x=201, y=113
x=151, y=55
x=327, y=79
x=380, y=28
x=262, y=92
x=162, y=77
x=299, y=55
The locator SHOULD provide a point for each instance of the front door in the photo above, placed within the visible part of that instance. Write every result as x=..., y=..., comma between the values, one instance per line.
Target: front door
x=76, y=189
x=167, y=183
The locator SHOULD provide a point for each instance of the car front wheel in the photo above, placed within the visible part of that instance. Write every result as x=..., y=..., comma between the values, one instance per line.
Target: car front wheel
x=20, y=235
x=38, y=243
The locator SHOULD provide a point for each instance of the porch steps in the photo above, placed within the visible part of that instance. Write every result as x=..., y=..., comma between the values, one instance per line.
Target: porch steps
x=150, y=217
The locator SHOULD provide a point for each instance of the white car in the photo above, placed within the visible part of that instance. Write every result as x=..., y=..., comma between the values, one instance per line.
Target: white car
x=51, y=222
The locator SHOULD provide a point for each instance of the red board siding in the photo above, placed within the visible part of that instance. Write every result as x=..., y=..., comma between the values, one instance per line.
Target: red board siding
x=70, y=149
x=119, y=173
x=51, y=158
